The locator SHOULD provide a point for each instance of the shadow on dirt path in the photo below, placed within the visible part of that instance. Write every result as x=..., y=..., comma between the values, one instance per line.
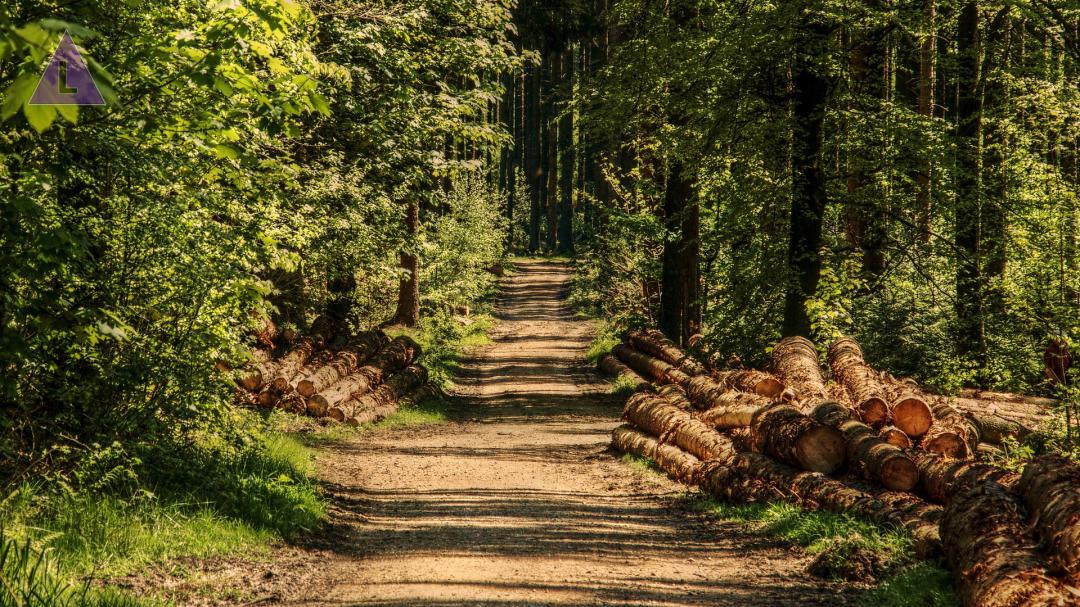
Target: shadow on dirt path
x=517, y=501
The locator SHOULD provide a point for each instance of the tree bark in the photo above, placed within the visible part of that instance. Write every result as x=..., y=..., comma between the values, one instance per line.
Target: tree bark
x=408, y=304
x=868, y=394
x=809, y=199
x=345, y=362
x=614, y=367
x=680, y=315
x=534, y=170
x=657, y=344
x=787, y=434
x=867, y=453
x=567, y=158
x=795, y=363
x=927, y=80
x=551, y=151
x=649, y=367
x=1050, y=486
x=982, y=532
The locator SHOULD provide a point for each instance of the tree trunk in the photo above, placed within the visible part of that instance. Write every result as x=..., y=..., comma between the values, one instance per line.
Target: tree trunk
x=551, y=150
x=727, y=410
x=808, y=199
x=657, y=344
x=970, y=291
x=680, y=315
x=534, y=169
x=758, y=382
x=649, y=367
x=408, y=304
x=927, y=80
x=567, y=158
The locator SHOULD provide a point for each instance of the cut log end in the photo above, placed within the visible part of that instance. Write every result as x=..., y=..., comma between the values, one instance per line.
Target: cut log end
x=770, y=387
x=874, y=412
x=896, y=437
x=821, y=449
x=912, y=415
x=949, y=444
x=305, y=387
x=899, y=474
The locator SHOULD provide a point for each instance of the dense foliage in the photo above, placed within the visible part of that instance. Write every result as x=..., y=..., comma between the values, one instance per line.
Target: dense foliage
x=254, y=160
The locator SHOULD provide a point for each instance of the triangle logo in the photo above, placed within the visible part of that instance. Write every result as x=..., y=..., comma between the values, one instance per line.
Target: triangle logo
x=67, y=79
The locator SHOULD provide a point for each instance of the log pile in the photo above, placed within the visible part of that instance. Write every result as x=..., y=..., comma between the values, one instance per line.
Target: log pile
x=857, y=440
x=357, y=379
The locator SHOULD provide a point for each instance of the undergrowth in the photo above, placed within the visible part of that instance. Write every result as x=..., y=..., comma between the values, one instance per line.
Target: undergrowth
x=845, y=547
x=124, y=509
x=444, y=338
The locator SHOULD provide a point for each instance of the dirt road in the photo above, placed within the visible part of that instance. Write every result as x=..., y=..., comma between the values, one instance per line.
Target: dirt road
x=518, y=502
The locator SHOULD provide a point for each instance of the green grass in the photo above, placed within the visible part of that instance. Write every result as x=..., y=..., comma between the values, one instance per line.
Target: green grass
x=181, y=497
x=431, y=411
x=606, y=338
x=845, y=547
x=623, y=386
x=444, y=339
x=639, y=464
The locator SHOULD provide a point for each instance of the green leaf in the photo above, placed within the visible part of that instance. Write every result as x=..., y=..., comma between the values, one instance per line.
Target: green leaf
x=227, y=151
x=40, y=116
x=319, y=103
x=69, y=112
x=18, y=93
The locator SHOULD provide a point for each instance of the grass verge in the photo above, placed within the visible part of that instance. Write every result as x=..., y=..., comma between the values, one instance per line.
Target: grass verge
x=845, y=548
x=123, y=510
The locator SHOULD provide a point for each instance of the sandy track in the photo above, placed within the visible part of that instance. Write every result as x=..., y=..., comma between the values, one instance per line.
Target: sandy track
x=517, y=502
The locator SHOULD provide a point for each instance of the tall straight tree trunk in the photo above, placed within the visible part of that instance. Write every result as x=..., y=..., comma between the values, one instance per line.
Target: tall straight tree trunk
x=517, y=130
x=534, y=172
x=996, y=171
x=680, y=316
x=865, y=228
x=408, y=304
x=927, y=81
x=808, y=196
x=971, y=337
x=551, y=148
x=567, y=160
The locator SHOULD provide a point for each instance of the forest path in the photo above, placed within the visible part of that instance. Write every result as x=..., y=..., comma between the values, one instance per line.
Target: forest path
x=517, y=502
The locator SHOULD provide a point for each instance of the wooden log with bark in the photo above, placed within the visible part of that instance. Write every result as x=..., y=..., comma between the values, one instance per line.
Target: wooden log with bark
x=657, y=344
x=739, y=476
x=983, y=535
x=1009, y=397
x=940, y=478
x=347, y=361
x=1050, y=486
x=952, y=435
x=613, y=367
x=675, y=395
x=783, y=432
x=679, y=464
x=730, y=409
x=795, y=363
x=400, y=353
x=867, y=393
x=758, y=382
x=896, y=437
x=381, y=401
x=649, y=367
x=653, y=414
x=868, y=453
x=995, y=429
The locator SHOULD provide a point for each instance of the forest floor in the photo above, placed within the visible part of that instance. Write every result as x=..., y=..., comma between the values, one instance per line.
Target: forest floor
x=517, y=501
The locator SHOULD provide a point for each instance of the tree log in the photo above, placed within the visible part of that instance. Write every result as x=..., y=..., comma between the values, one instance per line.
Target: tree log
x=911, y=414
x=994, y=429
x=952, y=434
x=679, y=464
x=613, y=367
x=669, y=423
x=895, y=436
x=1050, y=486
x=731, y=409
x=785, y=433
x=747, y=380
x=649, y=367
x=940, y=478
x=795, y=363
x=743, y=477
x=982, y=532
x=1009, y=397
x=397, y=355
x=657, y=344
x=383, y=400
x=346, y=362
x=868, y=453
x=867, y=393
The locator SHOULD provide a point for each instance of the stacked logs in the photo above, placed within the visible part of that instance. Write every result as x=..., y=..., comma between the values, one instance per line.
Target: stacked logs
x=356, y=379
x=859, y=441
